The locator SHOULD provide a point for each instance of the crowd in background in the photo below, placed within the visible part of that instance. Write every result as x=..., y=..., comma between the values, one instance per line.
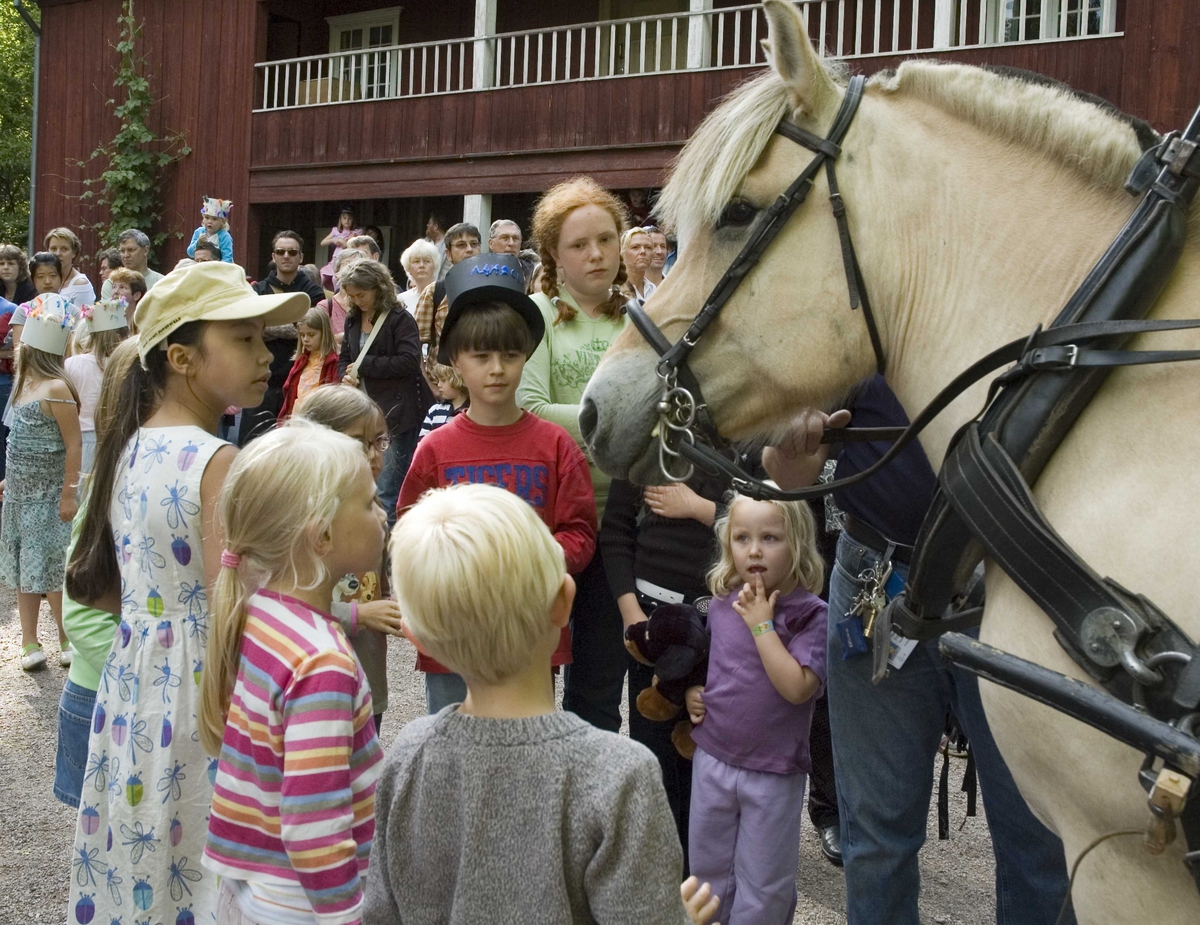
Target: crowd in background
x=126, y=413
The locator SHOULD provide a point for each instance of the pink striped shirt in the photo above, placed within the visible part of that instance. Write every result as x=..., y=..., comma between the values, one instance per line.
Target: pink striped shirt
x=294, y=800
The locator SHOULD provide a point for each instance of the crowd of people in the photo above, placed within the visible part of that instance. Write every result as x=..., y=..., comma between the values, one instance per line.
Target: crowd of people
x=203, y=473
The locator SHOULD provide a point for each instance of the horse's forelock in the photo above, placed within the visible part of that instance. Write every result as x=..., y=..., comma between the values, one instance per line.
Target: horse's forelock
x=723, y=151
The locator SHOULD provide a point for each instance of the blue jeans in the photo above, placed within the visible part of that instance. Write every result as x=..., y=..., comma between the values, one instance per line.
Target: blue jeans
x=885, y=738
x=75, y=709
x=395, y=466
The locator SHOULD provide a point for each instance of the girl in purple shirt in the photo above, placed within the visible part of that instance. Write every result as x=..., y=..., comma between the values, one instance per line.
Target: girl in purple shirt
x=752, y=717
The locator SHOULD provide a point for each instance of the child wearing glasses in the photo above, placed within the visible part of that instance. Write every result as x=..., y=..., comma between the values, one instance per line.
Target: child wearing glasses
x=360, y=602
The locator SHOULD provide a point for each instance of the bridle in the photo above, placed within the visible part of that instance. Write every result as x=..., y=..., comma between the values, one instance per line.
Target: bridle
x=682, y=412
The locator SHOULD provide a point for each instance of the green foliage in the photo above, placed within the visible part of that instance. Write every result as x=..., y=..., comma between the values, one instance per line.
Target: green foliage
x=16, y=123
x=128, y=189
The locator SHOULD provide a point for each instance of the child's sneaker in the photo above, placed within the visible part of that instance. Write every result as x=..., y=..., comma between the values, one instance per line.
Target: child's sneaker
x=64, y=656
x=32, y=657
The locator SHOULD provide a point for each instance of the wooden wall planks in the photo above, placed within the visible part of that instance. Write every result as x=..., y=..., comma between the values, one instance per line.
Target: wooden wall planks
x=201, y=66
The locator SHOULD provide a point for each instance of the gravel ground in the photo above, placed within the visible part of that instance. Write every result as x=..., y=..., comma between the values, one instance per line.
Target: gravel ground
x=36, y=830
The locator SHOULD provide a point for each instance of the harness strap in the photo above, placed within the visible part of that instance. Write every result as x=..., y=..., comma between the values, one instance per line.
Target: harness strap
x=715, y=463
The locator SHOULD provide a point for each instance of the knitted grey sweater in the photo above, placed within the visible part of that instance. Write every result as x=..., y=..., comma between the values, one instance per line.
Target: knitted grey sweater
x=530, y=821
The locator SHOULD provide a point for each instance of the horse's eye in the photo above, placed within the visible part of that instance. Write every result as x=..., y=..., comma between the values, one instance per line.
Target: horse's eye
x=737, y=214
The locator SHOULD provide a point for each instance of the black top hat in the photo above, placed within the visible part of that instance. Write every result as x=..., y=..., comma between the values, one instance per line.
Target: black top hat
x=488, y=278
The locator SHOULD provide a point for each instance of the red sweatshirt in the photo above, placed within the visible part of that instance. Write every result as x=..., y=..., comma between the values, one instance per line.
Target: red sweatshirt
x=534, y=459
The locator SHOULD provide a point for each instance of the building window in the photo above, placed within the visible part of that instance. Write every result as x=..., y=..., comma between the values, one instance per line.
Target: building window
x=1029, y=20
x=372, y=74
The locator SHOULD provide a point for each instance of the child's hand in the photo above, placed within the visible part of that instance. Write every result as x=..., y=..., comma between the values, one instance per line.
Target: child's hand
x=698, y=900
x=675, y=500
x=693, y=699
x=68, y=507
x=381, y=616
x=753, y=605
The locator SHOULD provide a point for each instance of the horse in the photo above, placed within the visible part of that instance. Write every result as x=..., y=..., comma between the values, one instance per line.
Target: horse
x=977, y=202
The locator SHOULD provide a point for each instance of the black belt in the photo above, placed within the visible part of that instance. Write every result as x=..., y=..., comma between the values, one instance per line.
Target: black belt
x=869, y=536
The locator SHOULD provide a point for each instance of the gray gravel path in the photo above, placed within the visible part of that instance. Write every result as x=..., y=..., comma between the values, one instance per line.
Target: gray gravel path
x=36, y=830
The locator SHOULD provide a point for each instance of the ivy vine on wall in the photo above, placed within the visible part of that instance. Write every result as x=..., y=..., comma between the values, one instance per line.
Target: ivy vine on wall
x=136, y=158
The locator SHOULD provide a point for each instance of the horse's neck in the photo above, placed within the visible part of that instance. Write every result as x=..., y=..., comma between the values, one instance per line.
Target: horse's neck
x=985, y=242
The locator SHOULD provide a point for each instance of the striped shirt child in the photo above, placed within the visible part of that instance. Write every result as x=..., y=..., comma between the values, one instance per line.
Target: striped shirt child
x=293, y=811
x=439, y=413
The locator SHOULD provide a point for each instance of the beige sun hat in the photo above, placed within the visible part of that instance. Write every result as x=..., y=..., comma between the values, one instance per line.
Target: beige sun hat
x=209, y=291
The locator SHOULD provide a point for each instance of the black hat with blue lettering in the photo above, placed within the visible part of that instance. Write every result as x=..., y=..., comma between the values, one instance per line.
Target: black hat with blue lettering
x=488, y=278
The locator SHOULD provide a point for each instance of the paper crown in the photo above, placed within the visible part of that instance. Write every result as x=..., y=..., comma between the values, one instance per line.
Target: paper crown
x=48, y=324
x=217, y=208
x=108, y=315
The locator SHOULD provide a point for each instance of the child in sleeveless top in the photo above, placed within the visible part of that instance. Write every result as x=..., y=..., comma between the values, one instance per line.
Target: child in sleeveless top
x=149, y=549
x=41, y=475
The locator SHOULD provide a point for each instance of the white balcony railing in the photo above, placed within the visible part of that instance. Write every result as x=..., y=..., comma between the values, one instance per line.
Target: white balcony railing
x=670, y=43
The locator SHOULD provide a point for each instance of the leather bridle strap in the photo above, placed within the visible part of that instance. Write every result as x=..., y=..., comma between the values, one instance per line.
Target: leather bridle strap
x=772, y=222
x=1024, y=351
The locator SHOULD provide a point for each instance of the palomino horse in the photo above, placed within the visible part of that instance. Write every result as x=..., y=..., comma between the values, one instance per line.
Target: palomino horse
x=977, y=203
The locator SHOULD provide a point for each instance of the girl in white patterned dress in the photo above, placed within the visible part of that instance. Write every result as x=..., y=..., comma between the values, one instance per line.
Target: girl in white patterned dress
x=149, y=549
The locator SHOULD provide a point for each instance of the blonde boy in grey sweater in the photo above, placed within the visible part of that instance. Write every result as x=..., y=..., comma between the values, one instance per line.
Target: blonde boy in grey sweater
x=502, y=809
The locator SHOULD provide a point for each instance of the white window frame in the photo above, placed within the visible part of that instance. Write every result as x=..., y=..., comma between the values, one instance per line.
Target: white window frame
x=360, y=74
x=1052, y=19
x=388, y=16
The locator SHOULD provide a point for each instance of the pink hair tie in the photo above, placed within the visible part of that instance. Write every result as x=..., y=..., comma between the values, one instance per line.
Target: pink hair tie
x=230, y=559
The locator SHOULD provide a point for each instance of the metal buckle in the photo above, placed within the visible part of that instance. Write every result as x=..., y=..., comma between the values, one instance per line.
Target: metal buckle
x=1050, y=359
x=1178, y=156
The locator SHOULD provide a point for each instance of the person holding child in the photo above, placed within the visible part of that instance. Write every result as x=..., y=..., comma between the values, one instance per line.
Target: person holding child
x=315, y=363
x=41, y=475
x=284, y=701
x=360, y=600
x=753, y=713
x=504, y=808
x=578, y=226
x=490, y=331
x=214, y=227
x=102, y=327
x=150, y=548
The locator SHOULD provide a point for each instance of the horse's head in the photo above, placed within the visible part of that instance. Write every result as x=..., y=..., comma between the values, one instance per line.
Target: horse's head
x=787, y=337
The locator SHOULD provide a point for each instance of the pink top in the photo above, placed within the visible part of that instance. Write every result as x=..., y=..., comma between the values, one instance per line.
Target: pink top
x=293, y=811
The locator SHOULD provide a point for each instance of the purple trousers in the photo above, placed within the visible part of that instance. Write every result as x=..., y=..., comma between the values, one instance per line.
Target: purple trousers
x=744, y=839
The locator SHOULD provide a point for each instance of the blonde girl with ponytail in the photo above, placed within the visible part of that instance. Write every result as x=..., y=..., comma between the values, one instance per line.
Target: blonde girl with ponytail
x=284, y=702
x=578, y=226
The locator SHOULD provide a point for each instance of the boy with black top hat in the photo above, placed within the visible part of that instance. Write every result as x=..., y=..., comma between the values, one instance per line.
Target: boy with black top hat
x=491, y=329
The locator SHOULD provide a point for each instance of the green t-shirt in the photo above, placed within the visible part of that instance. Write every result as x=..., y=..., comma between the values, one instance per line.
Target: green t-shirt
x=90, y=631
x=559, y=370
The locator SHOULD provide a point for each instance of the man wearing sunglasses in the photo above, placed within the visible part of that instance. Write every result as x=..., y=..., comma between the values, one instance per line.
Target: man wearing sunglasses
x=287, y=250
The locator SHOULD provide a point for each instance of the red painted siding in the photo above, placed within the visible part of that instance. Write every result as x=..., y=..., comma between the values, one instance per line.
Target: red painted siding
x=200, y=61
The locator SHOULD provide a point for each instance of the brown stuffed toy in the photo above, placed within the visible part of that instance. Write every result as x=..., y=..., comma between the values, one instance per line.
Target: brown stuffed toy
x=674, y=642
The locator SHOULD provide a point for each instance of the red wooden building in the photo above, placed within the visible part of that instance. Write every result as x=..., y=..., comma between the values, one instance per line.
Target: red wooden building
x=472, y=107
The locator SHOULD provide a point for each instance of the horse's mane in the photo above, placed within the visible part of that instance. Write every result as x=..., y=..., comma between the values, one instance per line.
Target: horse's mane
x=1090, y=136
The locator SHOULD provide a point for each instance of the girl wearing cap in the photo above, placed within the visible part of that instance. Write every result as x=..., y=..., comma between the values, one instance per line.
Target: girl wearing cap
x=578, y=226
x=103, y=327
x=43, y=468
x=159, y=468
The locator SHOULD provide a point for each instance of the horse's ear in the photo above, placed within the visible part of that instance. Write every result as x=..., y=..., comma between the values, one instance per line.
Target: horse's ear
x=795, y=60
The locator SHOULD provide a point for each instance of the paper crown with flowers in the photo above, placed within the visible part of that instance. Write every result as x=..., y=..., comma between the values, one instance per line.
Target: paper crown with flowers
x=105, y=315
x=48, y=324
x=217, y=208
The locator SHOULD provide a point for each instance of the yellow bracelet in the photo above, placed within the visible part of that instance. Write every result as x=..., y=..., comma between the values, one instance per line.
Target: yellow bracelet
x=767, y=626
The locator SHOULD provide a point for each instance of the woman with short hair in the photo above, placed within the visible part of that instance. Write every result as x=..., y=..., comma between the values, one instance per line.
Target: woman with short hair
x=76, y=287
x=14, y=273
x=381, y=354
x=420, y=262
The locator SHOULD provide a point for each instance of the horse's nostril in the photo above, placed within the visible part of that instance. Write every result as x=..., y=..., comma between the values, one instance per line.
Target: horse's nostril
x=588, y=418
